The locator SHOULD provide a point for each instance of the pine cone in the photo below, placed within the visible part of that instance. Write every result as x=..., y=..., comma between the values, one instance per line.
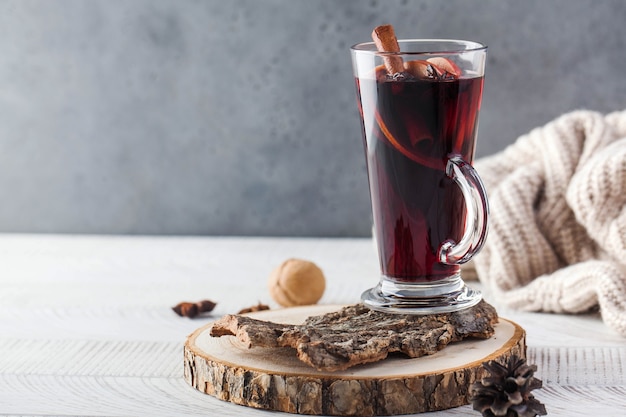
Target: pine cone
x=506, y=392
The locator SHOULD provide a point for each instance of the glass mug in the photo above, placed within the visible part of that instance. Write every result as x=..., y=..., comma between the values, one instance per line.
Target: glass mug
x=429, y=205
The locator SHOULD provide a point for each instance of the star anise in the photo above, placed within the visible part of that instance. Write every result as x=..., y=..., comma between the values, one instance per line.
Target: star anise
x=191, y=310
x=507, y=391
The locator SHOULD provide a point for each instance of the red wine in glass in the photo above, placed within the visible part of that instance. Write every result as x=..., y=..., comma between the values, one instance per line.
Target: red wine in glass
x=411, y=127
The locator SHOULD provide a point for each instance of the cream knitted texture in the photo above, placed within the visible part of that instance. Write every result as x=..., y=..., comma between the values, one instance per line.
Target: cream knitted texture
x=557, y=238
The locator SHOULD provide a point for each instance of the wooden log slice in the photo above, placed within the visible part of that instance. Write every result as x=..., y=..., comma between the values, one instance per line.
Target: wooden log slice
x=274, y=379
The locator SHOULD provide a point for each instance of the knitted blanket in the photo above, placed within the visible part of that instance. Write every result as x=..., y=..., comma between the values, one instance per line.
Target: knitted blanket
x=557, y=237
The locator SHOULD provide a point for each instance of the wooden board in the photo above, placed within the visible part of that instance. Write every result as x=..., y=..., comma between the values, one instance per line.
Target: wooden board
x=274, y=379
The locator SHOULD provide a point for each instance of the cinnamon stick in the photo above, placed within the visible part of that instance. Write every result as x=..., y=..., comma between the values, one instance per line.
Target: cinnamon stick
x=386, y=41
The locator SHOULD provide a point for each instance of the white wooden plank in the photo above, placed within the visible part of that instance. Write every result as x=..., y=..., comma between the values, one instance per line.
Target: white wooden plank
x=86, y=326
x=124, y=396
x=91, y=358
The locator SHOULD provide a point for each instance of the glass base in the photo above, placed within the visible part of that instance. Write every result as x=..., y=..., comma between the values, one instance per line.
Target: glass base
x=442, y=296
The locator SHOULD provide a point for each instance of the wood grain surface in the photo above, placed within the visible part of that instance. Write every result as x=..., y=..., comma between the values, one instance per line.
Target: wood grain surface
x=86, y=327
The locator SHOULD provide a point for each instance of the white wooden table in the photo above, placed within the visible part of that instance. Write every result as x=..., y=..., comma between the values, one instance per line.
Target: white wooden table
x=86, y=326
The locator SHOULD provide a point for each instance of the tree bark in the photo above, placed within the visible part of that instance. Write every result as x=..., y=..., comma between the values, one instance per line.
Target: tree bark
x=356, y=335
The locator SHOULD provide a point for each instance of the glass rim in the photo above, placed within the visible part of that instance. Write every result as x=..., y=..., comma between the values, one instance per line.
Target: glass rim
x=472, y=46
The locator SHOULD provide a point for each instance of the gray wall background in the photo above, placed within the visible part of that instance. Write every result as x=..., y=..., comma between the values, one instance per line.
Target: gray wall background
x=239, y=117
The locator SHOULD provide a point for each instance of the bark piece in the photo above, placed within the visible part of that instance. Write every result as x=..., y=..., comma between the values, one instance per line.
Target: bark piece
x=356, y=335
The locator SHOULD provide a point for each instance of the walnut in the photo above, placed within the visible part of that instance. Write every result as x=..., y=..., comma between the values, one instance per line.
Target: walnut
x=297, y=282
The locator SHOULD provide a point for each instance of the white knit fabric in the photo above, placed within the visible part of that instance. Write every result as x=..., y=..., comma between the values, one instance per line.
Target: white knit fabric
x=557, y=237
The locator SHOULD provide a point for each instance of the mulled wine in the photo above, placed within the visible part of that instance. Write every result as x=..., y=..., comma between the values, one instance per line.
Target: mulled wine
x=412, y=126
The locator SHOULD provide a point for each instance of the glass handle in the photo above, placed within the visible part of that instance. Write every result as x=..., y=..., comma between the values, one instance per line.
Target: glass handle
x=466, y=177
